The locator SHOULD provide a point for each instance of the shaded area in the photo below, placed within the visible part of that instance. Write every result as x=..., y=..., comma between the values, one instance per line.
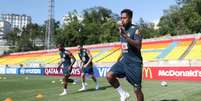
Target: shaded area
x=93, y=89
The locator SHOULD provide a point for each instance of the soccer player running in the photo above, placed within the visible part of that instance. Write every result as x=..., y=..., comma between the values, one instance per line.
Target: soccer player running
x=67, y=60
x=87, y=66
x=130, y=62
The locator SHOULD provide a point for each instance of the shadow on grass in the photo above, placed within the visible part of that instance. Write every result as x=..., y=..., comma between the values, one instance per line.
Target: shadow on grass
x=169, y=100
x=93, y=89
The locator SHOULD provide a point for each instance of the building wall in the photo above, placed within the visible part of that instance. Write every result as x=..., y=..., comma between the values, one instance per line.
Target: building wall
x=16, y=21
x=5, y=27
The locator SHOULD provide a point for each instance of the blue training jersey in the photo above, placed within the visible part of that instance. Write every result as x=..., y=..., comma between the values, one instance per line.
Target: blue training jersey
x=65, y=56
x=129, y=52
x=84, y=56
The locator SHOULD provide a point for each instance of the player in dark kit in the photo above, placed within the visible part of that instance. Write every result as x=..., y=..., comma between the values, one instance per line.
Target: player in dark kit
x=67, y=60
x=87, y=66
x=129, y=64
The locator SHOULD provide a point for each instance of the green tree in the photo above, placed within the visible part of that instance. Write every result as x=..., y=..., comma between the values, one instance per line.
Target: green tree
x=12, y=38
x=183, y=18
x=55, y=29
x=147, y=29
x=70, y=34
x=25, y=39
x=95, y=25
x=99, y=25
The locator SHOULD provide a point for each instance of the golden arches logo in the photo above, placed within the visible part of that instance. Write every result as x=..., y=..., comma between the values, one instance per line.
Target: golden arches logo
x=147, y=72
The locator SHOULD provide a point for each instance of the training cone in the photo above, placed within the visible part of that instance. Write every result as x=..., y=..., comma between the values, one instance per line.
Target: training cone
x=8, y=99
x=39, y=96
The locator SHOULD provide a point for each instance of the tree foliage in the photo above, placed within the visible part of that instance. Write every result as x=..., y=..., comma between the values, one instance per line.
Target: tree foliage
x=99, y=25
x=147, y=29
x=25, y=39
x=183, y=18
x=96, y=25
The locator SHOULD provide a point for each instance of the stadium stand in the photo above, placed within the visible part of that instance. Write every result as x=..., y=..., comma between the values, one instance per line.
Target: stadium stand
x=154, y=50
x=195, y=53
x=175, y=48
x=107, y=55
x=176, y=52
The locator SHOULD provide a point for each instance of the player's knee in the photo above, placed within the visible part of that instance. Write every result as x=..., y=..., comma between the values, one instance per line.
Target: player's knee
x=82, y=75
x=137, y=90
x=92, y=76
x=65, y=79
x=109, y=75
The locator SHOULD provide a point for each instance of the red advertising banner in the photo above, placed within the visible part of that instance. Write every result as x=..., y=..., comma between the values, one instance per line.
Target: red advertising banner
x=54, y=72
x=172, y=73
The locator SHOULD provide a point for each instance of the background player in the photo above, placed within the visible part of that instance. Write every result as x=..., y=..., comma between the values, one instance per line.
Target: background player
x=67, y=60
x=87, y=66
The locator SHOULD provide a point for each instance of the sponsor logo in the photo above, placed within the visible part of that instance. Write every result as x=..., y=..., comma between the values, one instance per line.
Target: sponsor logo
x=11, y=70
x=75, y=71
x=148, y=72
x=2, y=70
x=54, y=71
x=30, y=71
x=102, y=71
x=187, y=73
x=124, y=47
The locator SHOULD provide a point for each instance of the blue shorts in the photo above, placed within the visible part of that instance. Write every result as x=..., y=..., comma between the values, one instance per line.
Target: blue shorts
x=88, y=69
x=130, y=69
x=66, y=69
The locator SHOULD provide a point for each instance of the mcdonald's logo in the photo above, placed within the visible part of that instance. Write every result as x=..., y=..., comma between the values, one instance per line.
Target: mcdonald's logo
x=148, y=72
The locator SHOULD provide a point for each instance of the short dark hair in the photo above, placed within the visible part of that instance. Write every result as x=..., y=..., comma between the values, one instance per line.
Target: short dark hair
x=61, y=47
x=128, y=12
x=81, y=45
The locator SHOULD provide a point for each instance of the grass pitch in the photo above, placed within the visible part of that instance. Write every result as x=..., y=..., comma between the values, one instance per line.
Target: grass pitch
x=26, y=88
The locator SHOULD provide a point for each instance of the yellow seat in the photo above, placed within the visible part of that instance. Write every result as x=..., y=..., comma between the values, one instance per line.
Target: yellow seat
x=177, y=52
x=195, y=53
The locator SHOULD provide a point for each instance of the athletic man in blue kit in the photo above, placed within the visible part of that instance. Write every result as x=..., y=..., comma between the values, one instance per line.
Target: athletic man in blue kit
x=87, y=67
x=67, y=60
x=130, y=62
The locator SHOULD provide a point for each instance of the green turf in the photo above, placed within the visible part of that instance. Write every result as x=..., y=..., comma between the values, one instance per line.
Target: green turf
x=21, y=89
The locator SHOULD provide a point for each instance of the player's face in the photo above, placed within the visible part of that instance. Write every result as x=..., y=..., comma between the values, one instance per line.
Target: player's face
x=125, y=19
x=80, y=48
x=61, y=49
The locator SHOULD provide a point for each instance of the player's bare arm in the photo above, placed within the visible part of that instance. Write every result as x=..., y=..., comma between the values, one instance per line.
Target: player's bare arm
x=73, y=59
x=90, y=58
x=133, y=43
x=61, y=63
